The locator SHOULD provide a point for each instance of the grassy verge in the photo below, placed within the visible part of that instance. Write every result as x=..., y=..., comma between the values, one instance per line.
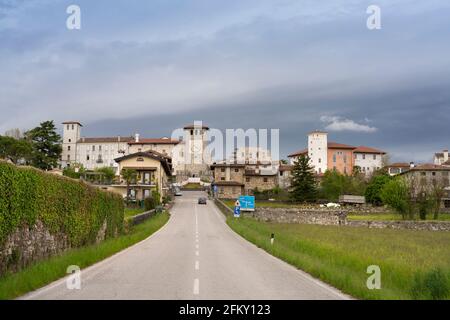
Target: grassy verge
x=340, y=256
x=44, y=272
x=264, y=204
x=130, y=212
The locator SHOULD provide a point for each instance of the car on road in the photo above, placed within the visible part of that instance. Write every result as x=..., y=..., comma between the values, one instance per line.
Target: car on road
x=202, y=200
x=178, y=192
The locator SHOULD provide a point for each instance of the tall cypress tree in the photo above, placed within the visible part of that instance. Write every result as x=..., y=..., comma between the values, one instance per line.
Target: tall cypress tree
x=303, y=183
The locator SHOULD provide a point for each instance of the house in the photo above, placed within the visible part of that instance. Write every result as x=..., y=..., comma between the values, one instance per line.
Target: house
x=153, y=170
x=162, y=145
x=326, y=155
x=442, y=157
x=233, y=179
x=429, y=176
x=397, y=168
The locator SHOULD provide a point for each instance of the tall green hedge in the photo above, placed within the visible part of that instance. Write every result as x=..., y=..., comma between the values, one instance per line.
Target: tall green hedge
x=62, y=204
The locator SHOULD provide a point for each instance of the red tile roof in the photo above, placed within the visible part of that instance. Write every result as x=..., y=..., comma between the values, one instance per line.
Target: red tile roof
x=105, y=139
x=399, y=165
x=364, y=149
x=155, y=141
x=335, y=145
x=429, y=166
x=298, y=153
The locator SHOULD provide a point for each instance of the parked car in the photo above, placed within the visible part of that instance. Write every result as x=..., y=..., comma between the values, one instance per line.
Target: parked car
x=202, y=200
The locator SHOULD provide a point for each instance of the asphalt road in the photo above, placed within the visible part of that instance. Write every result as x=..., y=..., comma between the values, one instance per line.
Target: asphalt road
x=194, y=256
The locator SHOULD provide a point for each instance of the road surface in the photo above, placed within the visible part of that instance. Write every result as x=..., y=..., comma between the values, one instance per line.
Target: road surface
x=194, y=256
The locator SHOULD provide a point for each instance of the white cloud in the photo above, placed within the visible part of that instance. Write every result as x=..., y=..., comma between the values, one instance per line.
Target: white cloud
x=335, y=123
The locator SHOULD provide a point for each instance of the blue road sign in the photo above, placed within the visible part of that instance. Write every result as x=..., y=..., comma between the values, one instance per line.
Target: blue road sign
x=247, y=203
x=237, y=211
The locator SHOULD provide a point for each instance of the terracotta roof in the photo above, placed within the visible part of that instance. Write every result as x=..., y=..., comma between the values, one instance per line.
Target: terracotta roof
x=399, y=165
x=105, y=139
x=429, y=166
x=364, y=149
x=298, y=153
x=155, y=141
x=228, y=183
x=286, y=167
x=335, y=145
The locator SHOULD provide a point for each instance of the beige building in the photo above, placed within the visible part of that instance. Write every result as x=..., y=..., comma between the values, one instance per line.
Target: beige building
x=153, y=170
x=441, y=158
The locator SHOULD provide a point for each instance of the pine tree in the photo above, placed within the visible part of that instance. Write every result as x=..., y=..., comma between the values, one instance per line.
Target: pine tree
x=46, y=145
x=304, y=187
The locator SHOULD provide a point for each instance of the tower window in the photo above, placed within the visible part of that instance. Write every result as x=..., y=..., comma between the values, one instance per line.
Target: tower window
x=73, y=127
x=68, y=148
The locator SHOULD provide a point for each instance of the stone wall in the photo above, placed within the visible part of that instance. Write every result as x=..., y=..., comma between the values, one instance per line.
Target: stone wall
x=298, y=215
x=31, y=244
x=408, y=225
x=325, y=216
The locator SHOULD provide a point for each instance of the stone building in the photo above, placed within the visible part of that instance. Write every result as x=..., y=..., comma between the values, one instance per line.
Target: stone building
x=233, y=180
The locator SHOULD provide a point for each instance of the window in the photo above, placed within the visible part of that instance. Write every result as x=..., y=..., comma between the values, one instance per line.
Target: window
x=68, y=128
x=265, y=179
x=87, y=157
x=334, y=157
x=433, y=173
x=68, y=148
x=222, y=178
x=99, y=148
x=73, y=127
x=93, y=148
x=192, y=132
x=345, y=158
x=247, y=179
x=68, y=157
x=236, y=170
x=320, y=160
x=140, y=159
x=364, y=157
x=374, y=157
x=281, y=173
x=70, y=140
x=356, y=156
x=222, y=170
x=423, y=173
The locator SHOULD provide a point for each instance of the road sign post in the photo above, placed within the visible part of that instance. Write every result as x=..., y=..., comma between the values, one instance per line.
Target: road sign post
x=237, y=209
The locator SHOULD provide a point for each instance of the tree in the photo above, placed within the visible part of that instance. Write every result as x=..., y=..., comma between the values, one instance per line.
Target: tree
x=129, y=175
x=46, y=145
x=374, y=188
x=304, y=187
x=332, y=185
x=437, y=192
x=396, y=194
x=16, y=150
x=108, y=174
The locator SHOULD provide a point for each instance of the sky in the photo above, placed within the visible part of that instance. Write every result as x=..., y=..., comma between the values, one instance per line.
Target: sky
x=154, y=66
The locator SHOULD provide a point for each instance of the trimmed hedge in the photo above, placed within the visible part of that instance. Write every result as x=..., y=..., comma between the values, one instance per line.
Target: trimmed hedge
x=62, y=204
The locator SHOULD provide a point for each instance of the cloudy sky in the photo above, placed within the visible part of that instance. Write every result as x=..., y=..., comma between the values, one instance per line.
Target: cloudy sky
x=152, y=66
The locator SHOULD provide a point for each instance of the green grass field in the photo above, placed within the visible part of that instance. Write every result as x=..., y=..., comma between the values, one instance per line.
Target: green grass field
x=340, y=255
x=44, y=272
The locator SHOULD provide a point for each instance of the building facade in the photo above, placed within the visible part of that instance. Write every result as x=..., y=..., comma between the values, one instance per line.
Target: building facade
x=441, y=158
x=325, y=155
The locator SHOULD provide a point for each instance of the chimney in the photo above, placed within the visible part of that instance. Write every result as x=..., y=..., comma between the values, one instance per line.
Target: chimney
x=445, y=155
x=136, y=137
x=411, y=165
x=118, y=138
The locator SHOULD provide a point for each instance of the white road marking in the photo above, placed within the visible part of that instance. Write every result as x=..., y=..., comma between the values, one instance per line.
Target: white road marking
x=197, y=253
x=197, y=265
x=196, y=246
x=196, y=286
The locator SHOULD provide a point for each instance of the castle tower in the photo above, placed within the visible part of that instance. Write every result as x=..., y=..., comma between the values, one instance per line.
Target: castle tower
x=197, y=161
x=71, y=135
x=318, y=150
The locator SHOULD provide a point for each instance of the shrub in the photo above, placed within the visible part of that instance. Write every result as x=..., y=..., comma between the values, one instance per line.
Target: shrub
x=63, y=205
x=433, y=285
x=149, y=203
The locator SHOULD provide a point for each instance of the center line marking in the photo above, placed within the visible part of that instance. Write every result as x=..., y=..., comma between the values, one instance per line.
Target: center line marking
x=197, y=253
x=196, y=246
x=197, y=265
x=196, y=286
